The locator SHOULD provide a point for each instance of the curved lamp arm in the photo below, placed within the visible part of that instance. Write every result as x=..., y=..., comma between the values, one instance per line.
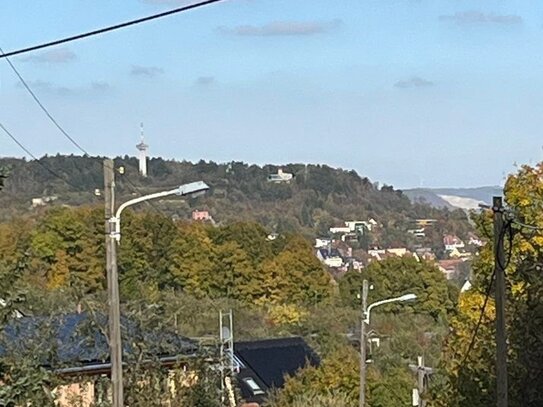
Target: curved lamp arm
x=406, y=297
x=192, y=188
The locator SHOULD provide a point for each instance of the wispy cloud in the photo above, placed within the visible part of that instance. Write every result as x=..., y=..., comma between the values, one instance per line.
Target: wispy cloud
x=46, y=86
x=413, y=82
x=54, y=56
x=284, y=28
x=205, y=80
x=52, y=88
x=100, y=86
x=148, y=71
x=478, y=17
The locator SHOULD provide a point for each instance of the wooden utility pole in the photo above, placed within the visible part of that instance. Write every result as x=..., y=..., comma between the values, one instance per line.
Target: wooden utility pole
x=115, y=347
x=422, y=372
x=501, y=335
x=362, y=400
x=421, y=375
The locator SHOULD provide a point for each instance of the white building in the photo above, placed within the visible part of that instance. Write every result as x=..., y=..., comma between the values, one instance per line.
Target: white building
x=322, y=242
x=280, y=177
x=142, y=157
x=340, y=229
x=331, y=258
x=452, y=242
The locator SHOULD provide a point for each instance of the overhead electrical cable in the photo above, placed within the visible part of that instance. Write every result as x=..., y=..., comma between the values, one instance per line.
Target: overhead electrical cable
x=480, y=320
x=56, y=123
x=506, y=229
x=526, y=226
x=42, y=107
x=27, y=151
x=109, y=28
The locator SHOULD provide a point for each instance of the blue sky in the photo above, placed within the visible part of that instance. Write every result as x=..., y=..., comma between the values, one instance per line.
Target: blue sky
x=407, y=92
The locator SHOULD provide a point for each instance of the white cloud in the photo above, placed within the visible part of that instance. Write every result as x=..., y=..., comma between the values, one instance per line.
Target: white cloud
x=54, y=56
x=414, y=82
x=284, y=28
x=478, y=17
x=148, y=71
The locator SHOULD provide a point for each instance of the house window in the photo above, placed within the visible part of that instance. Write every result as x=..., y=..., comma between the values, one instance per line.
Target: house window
x=255, y=388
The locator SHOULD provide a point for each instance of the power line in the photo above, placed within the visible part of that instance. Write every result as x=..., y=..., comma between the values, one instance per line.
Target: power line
x=476, y=331
x=526, y=226
x=507, y=229
x=42, y=107
x=109, y=28
x=26, y=150
x=55, y=122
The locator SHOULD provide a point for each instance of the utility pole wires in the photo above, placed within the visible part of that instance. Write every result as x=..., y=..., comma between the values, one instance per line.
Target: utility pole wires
x=108, y=29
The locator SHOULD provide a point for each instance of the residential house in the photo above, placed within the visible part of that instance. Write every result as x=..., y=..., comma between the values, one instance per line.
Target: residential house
x=80, y=350
x=420, y=233
x=378, y=254
x=425, y=253
x=421, y=223
x=354, y=227
x=382, y=254
x=459, y=254
x=280, y=177
x=201, y=215
x=450, y=267
x=321, y=242
x=474, y=240
x=466, y=286
x=340, y=229
x=264, y=364
x=452, y=242
x=399, y=251
x=37, y=202
x=331, y=257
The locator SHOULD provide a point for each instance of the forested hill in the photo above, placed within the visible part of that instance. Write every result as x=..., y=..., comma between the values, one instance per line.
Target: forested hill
x=317, y=197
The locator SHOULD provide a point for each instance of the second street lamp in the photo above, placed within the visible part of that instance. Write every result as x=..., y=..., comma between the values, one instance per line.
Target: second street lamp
x=366, y=310
x=113, y=235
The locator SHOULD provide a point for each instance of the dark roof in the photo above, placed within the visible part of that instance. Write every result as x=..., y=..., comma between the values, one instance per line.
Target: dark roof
x=79, y=340
x=325, y=253
x=267, y=362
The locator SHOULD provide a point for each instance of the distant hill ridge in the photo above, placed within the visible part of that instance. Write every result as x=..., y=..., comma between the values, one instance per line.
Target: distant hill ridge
x=464, y=198
x=316, y=198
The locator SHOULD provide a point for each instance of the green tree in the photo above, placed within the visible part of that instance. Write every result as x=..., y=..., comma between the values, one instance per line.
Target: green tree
x=471, y=381
x=396, y=276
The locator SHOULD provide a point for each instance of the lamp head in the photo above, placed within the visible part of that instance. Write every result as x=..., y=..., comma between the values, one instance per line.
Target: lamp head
x=408, y=297
x=193, y=189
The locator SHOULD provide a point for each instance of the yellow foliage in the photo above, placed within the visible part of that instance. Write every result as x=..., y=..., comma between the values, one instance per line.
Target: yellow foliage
x=286, y=314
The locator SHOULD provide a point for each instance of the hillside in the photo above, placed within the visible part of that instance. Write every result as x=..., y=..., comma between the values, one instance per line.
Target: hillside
x=317, y=197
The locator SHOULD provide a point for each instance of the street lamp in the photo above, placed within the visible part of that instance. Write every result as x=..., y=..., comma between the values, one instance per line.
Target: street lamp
x=366, y=310
x=113, y=236
x=406, y=297
x=192, y=189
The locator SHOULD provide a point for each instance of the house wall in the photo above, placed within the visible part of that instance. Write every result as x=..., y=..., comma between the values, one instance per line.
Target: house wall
x=200, y=215
x=333, y=262
x=76, y=394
